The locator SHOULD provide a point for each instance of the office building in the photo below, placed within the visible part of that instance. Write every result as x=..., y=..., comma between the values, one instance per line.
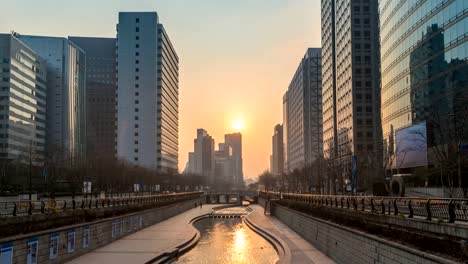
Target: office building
x=424, y=76
x=66, y=93
x=302, y=106
x=204, y=155
x=101, y=89
x=234, y=142
x=148, y=92
x=277, y=161
x=351, y=88
x=22, y=101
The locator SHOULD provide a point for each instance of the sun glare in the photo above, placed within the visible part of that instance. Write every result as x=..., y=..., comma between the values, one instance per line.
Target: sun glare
x=238, y=125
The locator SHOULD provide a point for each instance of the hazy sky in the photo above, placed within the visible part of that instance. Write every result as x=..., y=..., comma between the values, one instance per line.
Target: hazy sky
x=237, y=57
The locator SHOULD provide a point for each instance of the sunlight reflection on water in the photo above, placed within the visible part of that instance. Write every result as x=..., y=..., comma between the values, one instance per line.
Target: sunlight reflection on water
x=229, y=241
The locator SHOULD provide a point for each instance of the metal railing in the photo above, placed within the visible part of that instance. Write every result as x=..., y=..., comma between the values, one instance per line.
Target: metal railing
x=21, y=208
x=446, y=209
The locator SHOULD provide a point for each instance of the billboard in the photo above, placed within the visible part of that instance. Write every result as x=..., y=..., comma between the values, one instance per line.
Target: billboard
x=411, y=146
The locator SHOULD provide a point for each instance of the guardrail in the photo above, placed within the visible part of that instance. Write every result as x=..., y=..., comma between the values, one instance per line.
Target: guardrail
x=450, y=210
x=21, y=208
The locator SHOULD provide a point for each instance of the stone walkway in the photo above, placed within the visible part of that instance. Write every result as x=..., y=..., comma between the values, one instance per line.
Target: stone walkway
x=145, y=245
x=301, y=250
x=157, y=239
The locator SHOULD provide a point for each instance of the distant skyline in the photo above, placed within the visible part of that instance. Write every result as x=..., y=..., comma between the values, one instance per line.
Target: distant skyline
x=236, y=57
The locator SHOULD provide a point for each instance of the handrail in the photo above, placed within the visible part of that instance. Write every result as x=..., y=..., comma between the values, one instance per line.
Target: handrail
x=21, y=208
x=446, y=209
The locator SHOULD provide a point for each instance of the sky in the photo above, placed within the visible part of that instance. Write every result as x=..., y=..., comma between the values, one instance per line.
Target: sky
x=236, y=57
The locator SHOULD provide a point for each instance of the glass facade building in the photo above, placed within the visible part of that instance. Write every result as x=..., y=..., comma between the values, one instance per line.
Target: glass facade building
x=66, y=93
x=147, y=93
x=101, y=89
x=351, y=86
x=424, y=66
x=22, y=101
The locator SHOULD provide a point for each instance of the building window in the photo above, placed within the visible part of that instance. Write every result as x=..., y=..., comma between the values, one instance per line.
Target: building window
x=137, y=29
x=136, y=134
x=136, y=117
x=357, y=9
x=137, y=93
x=136, y=125
x=137, y=69
x=137, y=61
x=137, y=54
x=137, y=85
x=136, y=142
x=137, y=20
x=136, y=159
x=137, y=37
x=136, y=102
x=136, y=150
x=137, y=77
x=137, y=46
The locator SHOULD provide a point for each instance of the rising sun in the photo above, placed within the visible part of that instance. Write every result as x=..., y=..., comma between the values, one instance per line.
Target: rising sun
x=238, y=125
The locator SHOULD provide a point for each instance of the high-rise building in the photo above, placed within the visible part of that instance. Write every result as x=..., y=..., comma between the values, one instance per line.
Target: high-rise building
x=277, y=161
x=148, y=93
x=351, y=87
x=22, y=101
x=302, y=104
x=424, y=72
x=66, y=93
x=204, y=155
x=234, y=141
x=223, y=165
x=285, y=132
x=101, y=89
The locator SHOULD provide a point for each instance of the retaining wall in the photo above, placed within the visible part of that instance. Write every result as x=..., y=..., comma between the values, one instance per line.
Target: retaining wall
x=71, y=239
x=345, y=245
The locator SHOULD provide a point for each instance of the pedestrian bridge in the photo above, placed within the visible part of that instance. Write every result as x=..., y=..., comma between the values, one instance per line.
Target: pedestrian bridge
x=231, y=197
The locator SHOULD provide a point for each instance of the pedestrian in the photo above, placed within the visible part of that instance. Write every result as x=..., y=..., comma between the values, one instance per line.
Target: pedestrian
x=201, y=205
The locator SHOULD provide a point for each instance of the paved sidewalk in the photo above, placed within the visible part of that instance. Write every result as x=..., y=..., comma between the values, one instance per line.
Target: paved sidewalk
x=144, y=245
x=301, y=250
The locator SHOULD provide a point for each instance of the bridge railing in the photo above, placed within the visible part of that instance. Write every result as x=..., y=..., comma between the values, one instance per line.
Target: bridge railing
x=447, y=209
x=21, y=208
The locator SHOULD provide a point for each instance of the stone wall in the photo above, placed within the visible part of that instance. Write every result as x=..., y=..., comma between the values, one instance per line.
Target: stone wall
x=101, y=232
x=345, y=245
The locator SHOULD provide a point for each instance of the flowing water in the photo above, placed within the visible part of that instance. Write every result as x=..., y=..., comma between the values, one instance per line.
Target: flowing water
x=228, y=240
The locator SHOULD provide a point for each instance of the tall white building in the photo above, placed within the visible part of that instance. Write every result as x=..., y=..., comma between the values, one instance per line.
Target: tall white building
x=66, y=93
x=148, y=93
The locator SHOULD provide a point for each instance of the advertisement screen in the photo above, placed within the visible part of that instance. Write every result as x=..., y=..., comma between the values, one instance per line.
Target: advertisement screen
x=411, y=146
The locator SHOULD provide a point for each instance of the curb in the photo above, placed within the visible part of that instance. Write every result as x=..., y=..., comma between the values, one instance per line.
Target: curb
x=280, y=246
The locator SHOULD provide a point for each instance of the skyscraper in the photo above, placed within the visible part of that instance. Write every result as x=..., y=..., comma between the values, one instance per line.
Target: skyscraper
x=234, y=141
x=425, y=72
x=148, y=93
x=303, y=105
x=277, y=160
x=204, y=155
x=66, y=93
x=22, y=101
x=351, y=86
x=101, y=89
